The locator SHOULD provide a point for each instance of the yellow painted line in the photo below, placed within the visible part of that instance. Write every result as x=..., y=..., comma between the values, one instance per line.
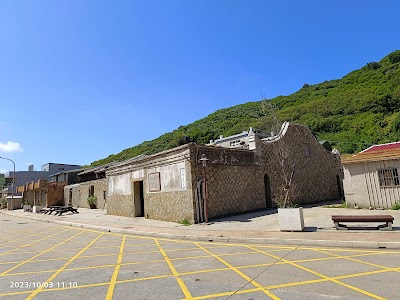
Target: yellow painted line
x=37, y=291
x=182, y=285
x=37, y=255
x=359, y=261
x=247, y=278
x=87, y=267
x=109, y=233
x=323, y=276
x=19, y=232
x=362, y=274
x=30, y=244
x=189, y=257
x=227, y=294
x=352, y=250
x=296, y=283
x=33, y=235
x=205, y=271
x=114, y=277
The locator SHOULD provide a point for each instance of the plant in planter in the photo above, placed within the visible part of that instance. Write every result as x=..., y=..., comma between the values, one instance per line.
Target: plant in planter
x=91, y=200
x=3, y=203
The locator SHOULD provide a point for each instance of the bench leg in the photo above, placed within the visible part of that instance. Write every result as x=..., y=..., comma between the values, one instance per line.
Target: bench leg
x=388, y=226
x=340, y=226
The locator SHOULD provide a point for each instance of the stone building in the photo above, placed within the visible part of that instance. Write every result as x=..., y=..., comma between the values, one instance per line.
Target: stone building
x=170, y=185
x=85, y=183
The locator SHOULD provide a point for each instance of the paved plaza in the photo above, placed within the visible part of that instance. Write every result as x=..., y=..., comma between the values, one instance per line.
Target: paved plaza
x=52, y=261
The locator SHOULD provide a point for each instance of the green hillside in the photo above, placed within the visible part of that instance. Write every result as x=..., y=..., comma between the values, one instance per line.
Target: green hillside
x=361, y=109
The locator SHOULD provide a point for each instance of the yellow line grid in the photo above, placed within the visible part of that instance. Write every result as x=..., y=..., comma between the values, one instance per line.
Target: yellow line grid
x=117, y=248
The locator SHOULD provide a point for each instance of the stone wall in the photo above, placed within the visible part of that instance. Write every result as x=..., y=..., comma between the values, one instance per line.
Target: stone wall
x=315, y=169
x=172, y=201
x=80, y=193
x=120, y=200
x=234, y=189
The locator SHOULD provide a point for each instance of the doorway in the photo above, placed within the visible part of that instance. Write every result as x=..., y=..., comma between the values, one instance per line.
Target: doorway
x=267, y=187
x=138, y=198
x=339, y=186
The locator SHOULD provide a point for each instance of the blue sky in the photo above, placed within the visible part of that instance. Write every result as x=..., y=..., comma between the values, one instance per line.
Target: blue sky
x=80, y=80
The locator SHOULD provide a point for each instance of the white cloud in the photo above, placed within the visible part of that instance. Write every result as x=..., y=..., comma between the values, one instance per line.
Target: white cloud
x=3, y=171
x=11, y=147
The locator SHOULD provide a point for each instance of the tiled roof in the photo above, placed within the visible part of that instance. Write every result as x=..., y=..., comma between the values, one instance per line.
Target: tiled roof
x=379, y=154
x=382, y=147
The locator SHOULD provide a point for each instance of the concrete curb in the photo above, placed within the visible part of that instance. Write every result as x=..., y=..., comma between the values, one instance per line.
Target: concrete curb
x=220, y=239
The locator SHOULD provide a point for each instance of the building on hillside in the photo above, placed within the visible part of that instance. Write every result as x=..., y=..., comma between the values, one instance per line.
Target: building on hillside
x=170, y=185
x=371, y=177
x=240, y=141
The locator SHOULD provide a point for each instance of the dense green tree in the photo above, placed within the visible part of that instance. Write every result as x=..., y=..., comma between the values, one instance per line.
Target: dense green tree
x=354, y=112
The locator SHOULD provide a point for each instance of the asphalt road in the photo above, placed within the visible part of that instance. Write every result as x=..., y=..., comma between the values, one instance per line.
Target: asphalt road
x=47, y=261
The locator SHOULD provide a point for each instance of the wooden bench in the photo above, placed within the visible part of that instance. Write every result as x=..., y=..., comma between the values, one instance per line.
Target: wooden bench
x=388, y=219
x=64, y=209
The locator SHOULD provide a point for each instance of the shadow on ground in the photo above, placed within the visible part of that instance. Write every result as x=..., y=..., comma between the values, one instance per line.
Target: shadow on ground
x=246, y=217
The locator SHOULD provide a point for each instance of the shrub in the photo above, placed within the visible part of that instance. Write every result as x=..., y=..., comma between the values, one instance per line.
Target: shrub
x=91, y=200
x=185, y=222
x=373, y=65
x=396, y=206
x=394, y=57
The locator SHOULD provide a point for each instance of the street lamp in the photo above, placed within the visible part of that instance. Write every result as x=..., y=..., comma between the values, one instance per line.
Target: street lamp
x=204, y=160
x=13, y=182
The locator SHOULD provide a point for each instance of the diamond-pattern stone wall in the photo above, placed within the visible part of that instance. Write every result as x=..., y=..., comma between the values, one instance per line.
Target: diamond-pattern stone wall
x=234, y=189
x=315, y=169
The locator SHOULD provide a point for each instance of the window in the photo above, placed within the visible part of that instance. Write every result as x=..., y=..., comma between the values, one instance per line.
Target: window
x=234, y=143
x=91, y=190
x=388, y=177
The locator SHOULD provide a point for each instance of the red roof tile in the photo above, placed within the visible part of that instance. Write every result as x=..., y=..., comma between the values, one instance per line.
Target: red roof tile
x=382, y=147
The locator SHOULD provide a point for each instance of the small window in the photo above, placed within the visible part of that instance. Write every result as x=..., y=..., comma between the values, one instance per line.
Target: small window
x=234, y=143
x=388, y=177
x=91, y=190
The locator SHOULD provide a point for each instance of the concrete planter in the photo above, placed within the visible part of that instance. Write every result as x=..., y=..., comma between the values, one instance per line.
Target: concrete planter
x=291, y=219
x=36, y=208
x=27, y=207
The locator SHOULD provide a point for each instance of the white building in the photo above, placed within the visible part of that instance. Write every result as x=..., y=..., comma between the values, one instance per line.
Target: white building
x=371, y=177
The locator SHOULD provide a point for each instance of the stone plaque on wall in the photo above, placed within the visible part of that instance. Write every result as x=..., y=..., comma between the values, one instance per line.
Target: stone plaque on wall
x=183, y=178
x=154, y=182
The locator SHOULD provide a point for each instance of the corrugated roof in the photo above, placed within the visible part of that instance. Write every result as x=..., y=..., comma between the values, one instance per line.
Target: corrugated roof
x=377, y=155
x=382, y=147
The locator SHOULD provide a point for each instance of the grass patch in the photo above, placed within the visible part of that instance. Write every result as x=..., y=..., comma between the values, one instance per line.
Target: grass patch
x=185, y=222
x=342, y=205
x=396, y=206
